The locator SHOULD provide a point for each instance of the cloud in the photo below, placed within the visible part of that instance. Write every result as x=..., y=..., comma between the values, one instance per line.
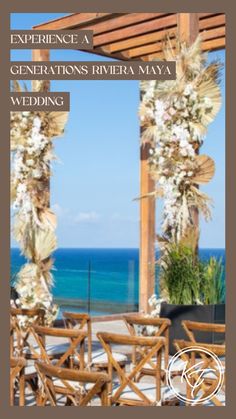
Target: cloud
x=86, y=217
x=59, y=211
x=118, y=217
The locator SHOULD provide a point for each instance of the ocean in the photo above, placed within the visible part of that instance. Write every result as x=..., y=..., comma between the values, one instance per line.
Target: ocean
x=99, y=281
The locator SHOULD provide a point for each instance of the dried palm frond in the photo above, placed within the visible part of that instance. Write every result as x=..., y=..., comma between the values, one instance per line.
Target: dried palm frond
x=183, y=217
x=163, y=242
x=210, y=90
x=16, y=87
x=28, y=272
x=158, y=193
x=44, y=243
x=200, y=200
x=46, y=265
x=205, y=169
x=149, y=134
x=56, y=123
x=48, y=218
x=40, y=85
x=145, y=85
x=190, y=237
x=16, y=141
x=13, y=190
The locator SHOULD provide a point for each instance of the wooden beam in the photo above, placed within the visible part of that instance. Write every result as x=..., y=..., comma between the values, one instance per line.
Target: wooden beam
x=74, y=20
x=212, y=22
x=219, y=32
x=147, y=233
x=208, y=45
x=212, y=40
x=134, y=30
x=126, y=20
x=104, y=52
x=139, y=41
x=146, y=49
x=214, y=44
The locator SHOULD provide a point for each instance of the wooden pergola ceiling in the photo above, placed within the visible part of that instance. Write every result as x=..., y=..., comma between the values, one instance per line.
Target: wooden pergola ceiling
x=138, y=36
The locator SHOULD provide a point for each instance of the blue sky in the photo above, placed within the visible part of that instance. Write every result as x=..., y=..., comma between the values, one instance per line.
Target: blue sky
x=97, y=176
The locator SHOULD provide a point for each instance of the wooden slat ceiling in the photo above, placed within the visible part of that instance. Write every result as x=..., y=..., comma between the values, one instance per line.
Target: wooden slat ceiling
x=138, y=36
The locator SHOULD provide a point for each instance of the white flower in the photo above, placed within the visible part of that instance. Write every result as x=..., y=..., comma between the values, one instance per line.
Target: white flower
x=21, y=188
x=30, y=162
x=193, y=95
x=37, y=122
x=180, y=132
x=183, y=143
x=162, y=180
x=36, y=173
x=188, y=89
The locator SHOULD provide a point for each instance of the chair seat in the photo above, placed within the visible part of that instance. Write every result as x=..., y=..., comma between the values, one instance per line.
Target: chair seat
x=51, y=349
x=154, y=360
x=30, y=369
x=211, y=375
x=74, y=384
x=148, y=389
x=100, y=357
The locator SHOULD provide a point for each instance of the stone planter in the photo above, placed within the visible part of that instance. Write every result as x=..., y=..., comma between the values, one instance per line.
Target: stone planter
x=212, y=313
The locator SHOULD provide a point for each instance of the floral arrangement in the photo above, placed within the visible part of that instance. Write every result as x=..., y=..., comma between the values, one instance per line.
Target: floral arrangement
x=34, y=222
x=174, y=117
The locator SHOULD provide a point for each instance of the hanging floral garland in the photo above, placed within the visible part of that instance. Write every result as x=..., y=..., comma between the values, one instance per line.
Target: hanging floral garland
x=34, y=222
x=174, y=117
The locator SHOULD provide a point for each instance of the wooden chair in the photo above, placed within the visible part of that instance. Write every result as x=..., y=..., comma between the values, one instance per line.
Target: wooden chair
x=70, y=352
x=97, y=359
x=78, y=388
x=196, y=331
x=198, y=359
x=81, y=321
x=21, y=340
x=17, y=366
x=20, y=330
x=137, y=326
x=126, y=391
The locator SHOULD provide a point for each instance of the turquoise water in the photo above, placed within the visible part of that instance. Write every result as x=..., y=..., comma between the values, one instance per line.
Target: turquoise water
x=113, y=276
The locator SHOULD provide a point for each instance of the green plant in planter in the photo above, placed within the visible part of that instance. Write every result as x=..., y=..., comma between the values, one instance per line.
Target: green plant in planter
x=212, y=287
x=188, y=280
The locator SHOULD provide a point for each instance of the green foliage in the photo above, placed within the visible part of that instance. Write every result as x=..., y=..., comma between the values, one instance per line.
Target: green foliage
x=212, y=287
x=188, y=280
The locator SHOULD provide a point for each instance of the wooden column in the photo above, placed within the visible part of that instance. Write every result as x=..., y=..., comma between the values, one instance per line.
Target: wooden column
x=188, y=30
x=43, y=55
x=188, y=27
x=147, y=234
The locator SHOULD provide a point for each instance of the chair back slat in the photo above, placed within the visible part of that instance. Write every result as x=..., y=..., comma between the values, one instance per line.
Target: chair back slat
x=155, y=346
x=71, y=384
x=160, y=328
x=17, y=366
x=74, y=351
x=81, y=321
